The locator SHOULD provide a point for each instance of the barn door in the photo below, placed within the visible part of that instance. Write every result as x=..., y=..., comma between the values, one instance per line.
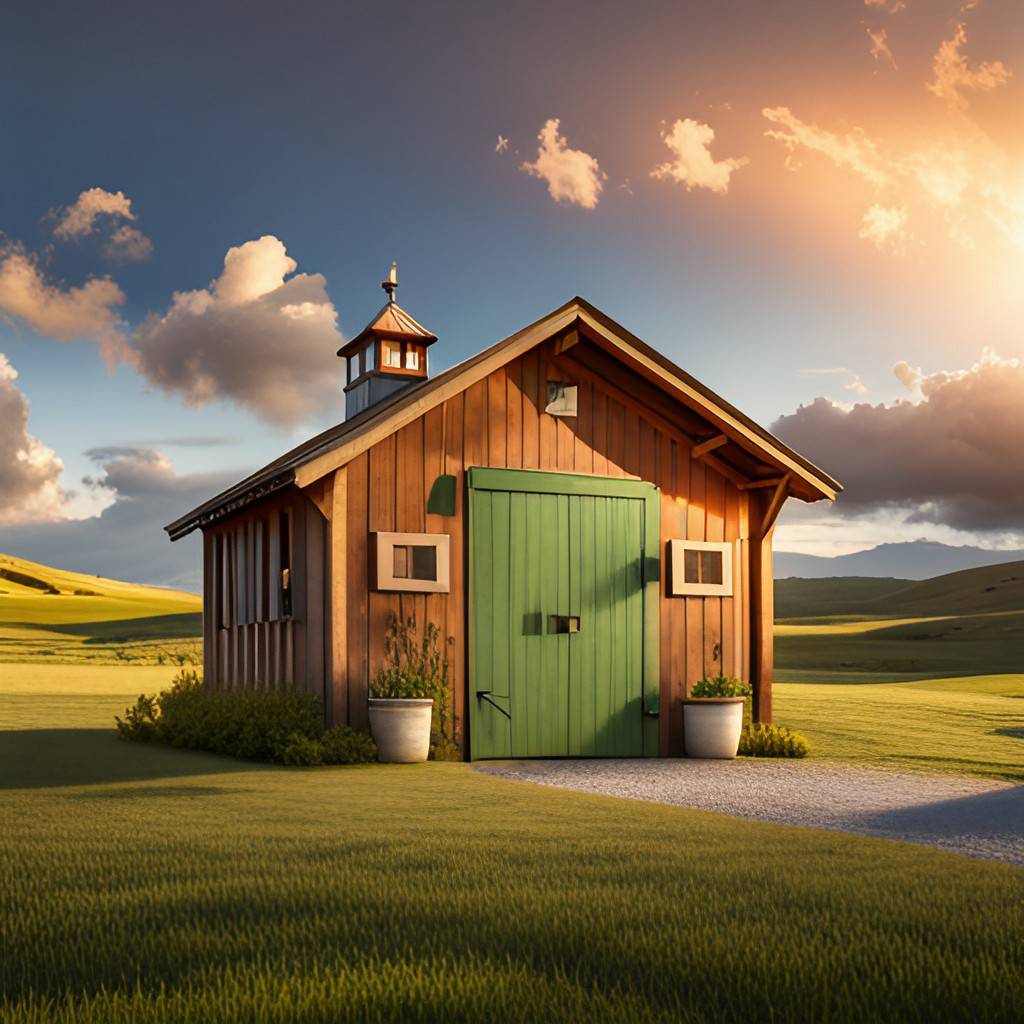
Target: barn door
x=557, y=620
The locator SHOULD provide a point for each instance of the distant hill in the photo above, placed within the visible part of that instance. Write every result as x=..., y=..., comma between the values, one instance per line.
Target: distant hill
x=915, y=560
x=990, y=588
x=70, y=617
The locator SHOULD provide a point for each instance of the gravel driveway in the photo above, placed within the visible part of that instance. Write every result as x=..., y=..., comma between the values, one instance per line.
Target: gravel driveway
x=970, y=816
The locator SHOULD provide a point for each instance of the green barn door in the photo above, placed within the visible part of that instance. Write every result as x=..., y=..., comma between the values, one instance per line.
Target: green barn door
x=557, y=619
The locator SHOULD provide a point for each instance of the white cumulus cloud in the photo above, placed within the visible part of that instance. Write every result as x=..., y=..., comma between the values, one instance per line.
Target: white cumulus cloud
x=572, y=175
x=692, y=164
x=255, y=337
x=29, y=471
x=62, y=313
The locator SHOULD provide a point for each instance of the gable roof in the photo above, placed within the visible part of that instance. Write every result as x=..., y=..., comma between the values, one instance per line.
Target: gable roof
x=338, y=445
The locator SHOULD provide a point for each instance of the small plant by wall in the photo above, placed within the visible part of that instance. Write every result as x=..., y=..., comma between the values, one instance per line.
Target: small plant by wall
x=764, y=739
x=417, y=667
x=280, y=726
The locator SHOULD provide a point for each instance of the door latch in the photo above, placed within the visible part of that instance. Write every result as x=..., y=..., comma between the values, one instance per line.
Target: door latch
x=563, y=623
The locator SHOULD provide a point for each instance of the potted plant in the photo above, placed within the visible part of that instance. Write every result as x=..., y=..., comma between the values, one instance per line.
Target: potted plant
x=713, y=717
x=409, y=691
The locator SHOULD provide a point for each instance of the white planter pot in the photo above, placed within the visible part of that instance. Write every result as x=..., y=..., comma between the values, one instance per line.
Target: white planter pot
x=712, y=726
x=401, y=728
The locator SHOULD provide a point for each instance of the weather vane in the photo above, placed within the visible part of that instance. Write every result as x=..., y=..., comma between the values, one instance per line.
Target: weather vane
x=391, y=284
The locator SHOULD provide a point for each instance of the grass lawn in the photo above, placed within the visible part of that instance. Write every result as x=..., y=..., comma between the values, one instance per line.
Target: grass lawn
x=973, y=725
x=146, y=884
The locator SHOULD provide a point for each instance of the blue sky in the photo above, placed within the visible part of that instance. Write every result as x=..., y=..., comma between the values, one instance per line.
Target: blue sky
x=358, y=134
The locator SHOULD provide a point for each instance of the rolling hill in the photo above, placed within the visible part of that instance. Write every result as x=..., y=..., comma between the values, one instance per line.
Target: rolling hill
x=916, y=560
x=991, y=588
x=968, y=623
x=63, y=617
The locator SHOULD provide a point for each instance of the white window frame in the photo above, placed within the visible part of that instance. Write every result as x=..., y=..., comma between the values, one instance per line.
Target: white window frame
x=677, y=559
x=385, y=544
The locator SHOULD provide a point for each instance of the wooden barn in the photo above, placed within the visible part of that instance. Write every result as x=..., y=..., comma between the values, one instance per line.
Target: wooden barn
x=589, y=524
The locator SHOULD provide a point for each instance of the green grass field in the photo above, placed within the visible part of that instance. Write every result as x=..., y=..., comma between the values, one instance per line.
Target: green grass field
x=50, y=615
x=147, y=884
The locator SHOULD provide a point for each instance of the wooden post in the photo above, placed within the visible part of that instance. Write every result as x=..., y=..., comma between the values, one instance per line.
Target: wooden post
x=337, y=704
x=765, y=507
x=210, y=599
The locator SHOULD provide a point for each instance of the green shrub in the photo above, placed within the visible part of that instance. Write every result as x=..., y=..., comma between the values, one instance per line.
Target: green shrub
x=301, y=752
x=763, y=739
x=341, y=744
x=284, y=726
x=416, y=668
x=720, y=686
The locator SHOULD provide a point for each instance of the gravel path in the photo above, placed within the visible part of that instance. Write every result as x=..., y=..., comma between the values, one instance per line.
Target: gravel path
x=970, y=816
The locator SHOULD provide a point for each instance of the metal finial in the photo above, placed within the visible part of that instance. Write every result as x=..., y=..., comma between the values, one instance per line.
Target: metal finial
x=391, y=284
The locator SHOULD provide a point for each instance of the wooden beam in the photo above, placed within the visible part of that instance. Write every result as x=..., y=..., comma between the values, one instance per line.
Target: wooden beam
x=778, y=499
x=567, y=341
x=752, y=485
x=706, y=447
x=337, y=645
x=722, y=415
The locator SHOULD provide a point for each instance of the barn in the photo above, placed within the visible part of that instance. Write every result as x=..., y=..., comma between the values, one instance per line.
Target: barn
x=588, y=524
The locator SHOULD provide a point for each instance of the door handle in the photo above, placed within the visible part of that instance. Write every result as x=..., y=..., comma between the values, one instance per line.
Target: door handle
x=563, y=623
x=486, y=695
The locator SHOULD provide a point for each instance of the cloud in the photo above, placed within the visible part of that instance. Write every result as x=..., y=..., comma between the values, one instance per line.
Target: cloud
x=29, y=471
x=572, y=175
x=950, y=458
x=853, y=151
x=885, y=227
x=501, y=145
x=953, y=74
x=95, y=205
x=892, y=6
x=80, y=217
x=880, y=46
x=693, y=165
x=64, y=314
x=126, y=540
x=255, y=337
x=128, y=245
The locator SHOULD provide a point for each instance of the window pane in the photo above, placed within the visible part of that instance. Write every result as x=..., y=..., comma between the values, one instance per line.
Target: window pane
x=401, y=564
x=424, y=562
x=691, y=561
x=392, y=354
x=711, y=567
x=412, y=358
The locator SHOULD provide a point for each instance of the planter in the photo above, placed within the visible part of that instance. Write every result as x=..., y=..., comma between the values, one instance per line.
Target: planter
x=401, y=728
x=712, y=726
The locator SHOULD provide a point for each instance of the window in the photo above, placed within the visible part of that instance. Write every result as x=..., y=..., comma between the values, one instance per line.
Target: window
x=412, y=357
x=701, y=568
x=412, y=561
x=391, y=354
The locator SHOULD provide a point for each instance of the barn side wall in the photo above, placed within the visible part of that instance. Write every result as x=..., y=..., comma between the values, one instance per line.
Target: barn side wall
x=255, y=635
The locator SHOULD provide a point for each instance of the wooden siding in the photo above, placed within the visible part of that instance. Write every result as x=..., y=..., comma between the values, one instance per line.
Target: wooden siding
x=250, y=640
x=621, y=430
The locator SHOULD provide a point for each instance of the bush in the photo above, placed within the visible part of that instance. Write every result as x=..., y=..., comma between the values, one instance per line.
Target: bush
x=341, y=744
x=720, y=686
x=301, y=752
x=762, y=739
x=416, y=668
x=284, y=726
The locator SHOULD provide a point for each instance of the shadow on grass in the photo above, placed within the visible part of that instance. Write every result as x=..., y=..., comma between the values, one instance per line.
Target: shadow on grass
x=39, y=758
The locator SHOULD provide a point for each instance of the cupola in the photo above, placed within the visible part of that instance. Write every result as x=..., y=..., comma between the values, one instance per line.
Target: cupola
x=387, y=355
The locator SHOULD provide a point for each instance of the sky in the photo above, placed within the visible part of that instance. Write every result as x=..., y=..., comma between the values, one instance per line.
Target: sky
x=816, y=209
